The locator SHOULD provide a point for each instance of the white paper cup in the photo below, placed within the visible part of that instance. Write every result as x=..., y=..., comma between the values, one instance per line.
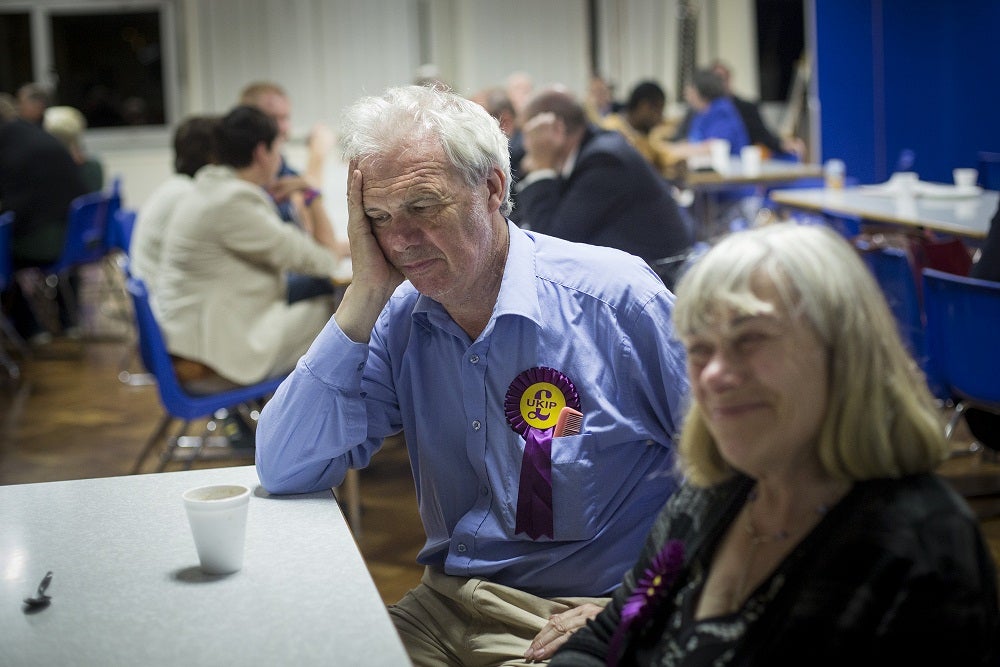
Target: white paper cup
x=719, y=150
x=904, y=183
x=965, y=177
x=750, y=157
x=218, y=518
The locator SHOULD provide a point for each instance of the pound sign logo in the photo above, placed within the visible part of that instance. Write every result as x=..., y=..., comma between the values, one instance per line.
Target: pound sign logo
x=541, y=403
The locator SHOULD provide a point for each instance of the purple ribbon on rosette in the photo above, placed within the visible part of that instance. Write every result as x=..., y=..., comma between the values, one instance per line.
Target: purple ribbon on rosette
x=532, y=406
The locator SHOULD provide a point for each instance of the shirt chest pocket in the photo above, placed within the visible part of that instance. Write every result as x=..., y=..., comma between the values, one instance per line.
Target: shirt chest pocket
x=588, y=480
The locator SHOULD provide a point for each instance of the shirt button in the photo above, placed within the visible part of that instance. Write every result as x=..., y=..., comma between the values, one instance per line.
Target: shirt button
x=485, y=490
x=476, y=424
x=474, y=358
x=462, y=548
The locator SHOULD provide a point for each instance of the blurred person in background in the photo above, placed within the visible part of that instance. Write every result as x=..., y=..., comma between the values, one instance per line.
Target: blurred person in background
x=298, y=195
x=32, y=101
x=67, y=125
x=194, y=147
x=221, y=292
x=588, y=185
x=642, y=123
x=38, y=181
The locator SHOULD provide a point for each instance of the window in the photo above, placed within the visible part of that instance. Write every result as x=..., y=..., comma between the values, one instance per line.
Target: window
x=16, y=63
x=110, y=67
x=104, y=58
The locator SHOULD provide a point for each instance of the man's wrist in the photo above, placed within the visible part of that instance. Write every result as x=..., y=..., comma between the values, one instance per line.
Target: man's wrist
x=309, y=195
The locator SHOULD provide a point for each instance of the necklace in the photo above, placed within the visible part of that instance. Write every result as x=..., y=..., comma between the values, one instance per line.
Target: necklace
x=757, y=539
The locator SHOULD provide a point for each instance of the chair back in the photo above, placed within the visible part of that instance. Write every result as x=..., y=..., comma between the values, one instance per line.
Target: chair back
x=988, y=164
x=963, y=316
x=152, y=345
x=895, y=275
x=156, y=358
x=87, y=232
x=5, y=261
x=120, y=229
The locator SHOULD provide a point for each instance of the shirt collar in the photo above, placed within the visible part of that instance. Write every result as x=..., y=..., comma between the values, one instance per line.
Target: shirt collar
x=567, y=168
x=518, y=292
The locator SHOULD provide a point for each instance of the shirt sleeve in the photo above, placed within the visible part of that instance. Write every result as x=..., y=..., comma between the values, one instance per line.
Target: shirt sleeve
x=660, y=384
x=316, y=426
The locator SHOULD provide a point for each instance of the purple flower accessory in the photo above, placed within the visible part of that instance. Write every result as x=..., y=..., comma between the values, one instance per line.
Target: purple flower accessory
x=532, y=405
x=652, y=586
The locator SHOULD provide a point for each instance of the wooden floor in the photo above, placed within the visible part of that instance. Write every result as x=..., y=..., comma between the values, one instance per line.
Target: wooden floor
x=69, y=417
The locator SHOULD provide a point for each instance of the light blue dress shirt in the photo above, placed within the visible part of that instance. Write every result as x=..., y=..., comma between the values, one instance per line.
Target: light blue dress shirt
x=599, y=316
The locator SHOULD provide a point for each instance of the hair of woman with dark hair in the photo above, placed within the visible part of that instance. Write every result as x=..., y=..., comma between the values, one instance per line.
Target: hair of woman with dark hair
x=239, y=132
x=194, y=144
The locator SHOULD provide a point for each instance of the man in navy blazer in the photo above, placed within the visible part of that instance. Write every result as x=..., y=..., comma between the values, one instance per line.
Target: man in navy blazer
x=584, y=184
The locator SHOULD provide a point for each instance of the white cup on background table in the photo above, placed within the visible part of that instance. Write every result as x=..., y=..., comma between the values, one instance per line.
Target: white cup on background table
x=751, y=157
x=218, y=518
x=719, y=150
x=965, y=177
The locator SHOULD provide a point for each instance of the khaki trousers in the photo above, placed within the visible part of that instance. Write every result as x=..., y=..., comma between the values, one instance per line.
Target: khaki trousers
x=472, y=622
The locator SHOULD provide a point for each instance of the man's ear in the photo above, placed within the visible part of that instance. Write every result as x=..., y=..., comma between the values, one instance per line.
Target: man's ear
x=496, y=186
x=260, y=151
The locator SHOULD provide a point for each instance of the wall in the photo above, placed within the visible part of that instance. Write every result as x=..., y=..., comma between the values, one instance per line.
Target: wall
x=919, y=75
x=329, y=52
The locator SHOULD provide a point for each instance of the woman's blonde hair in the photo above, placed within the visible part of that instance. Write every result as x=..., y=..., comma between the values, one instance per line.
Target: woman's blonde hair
x=880, y=420
x=67, y=125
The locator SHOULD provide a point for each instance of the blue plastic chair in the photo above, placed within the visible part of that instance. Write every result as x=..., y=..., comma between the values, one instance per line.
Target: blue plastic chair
x=87, y=238
x=178, y=403
x=120, y=228
x=988, y=164
x=895, y=275
x=6, y=219
x=86, y=242
x=7, y=329
x=963, y=316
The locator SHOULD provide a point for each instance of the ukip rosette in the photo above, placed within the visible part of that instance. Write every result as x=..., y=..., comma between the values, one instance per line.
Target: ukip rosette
x=536, y=397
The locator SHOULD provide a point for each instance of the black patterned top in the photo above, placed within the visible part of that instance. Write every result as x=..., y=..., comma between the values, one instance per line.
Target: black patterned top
x=897, y=573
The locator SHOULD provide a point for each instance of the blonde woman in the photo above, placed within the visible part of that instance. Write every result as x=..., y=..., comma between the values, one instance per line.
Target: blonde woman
x=811, y=529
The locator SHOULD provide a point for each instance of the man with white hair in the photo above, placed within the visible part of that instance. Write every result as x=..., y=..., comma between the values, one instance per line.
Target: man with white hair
x=472, y=337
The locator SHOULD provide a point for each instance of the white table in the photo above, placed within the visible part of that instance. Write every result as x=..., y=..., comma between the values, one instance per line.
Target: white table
x=706, y=184
x=127, y=589
x=966, y=216
x=772, y=172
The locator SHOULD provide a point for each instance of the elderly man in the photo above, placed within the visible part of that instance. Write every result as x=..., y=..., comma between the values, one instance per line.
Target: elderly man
x=584, y=184
x=470, y=335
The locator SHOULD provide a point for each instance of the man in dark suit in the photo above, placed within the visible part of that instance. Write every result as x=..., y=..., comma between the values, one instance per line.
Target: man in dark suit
x=38, y=180
x=584, y=184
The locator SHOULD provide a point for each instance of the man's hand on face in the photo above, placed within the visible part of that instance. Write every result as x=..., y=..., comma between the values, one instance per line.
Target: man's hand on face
x=368, y=261
x=546, y=143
